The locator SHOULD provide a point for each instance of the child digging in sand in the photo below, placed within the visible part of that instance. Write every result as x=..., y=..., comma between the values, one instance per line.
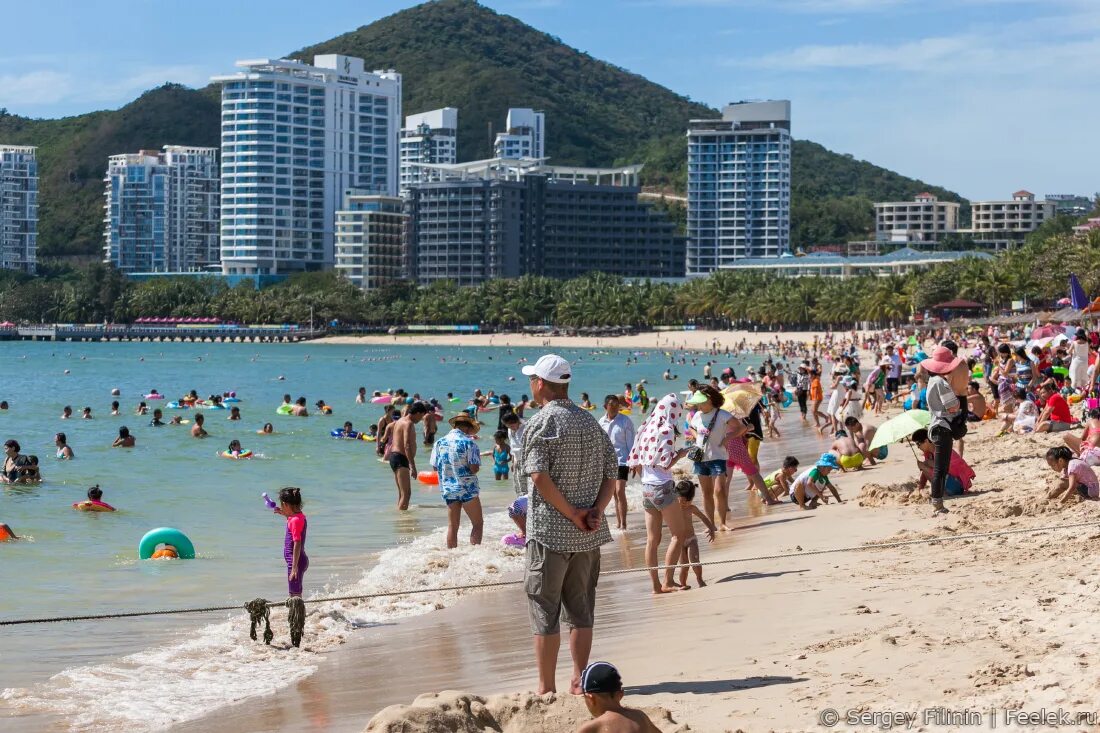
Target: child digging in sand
x=685, y=489
x=1077, y=477
x=603, y=695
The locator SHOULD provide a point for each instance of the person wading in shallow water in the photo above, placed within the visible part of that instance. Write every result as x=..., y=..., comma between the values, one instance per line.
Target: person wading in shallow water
x=402, y=452
x=573, y=470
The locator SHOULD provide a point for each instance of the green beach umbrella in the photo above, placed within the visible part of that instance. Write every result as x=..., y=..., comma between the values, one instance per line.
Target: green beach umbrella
x=901, y=427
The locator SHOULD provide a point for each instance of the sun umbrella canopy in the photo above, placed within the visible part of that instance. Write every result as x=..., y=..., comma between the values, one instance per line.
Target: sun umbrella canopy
x=901, y=427
x=1043, y=332
x=741, y=398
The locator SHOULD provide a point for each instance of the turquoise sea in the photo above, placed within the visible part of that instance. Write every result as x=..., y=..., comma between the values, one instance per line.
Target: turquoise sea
x=147, y=673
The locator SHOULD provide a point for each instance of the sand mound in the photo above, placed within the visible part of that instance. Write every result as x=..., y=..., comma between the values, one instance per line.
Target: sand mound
x=521, y=712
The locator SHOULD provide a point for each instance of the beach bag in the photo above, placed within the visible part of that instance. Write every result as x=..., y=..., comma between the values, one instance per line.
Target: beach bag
x=958, y=424
x=696, y=455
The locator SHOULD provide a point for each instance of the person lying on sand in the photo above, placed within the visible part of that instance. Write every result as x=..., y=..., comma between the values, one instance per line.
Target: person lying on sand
x=603, y=695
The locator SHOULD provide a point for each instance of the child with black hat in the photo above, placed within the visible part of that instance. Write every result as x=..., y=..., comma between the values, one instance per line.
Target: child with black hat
x=603, y=695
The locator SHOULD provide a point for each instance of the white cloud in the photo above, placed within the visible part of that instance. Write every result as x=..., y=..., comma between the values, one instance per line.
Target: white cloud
x=34, y=87
x=44, y=87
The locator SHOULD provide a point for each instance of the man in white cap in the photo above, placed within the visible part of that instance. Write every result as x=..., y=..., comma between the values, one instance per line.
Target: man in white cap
x=573, y=469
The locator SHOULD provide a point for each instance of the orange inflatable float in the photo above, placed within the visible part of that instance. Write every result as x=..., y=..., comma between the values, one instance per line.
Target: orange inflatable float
x=431, y=478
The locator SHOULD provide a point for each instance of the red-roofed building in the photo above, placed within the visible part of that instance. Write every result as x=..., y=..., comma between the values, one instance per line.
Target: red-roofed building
x=924, y=219
x=1008, y=221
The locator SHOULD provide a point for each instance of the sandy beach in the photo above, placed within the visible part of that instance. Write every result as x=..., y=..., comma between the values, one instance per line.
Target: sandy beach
x=693, y=340
x=941, y=631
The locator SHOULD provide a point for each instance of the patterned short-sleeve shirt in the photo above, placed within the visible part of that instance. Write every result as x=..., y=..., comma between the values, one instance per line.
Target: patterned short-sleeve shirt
x=452, y=456
x=567, y=442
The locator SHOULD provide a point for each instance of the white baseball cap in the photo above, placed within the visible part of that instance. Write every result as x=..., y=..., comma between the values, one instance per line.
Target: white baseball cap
x=550, y=367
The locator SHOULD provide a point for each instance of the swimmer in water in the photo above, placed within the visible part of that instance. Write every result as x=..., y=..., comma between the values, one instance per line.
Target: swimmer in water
x=86, y=414
x=267, y=429
x=234, y=413
x=124, y=439
x=157, y=422
x=66, y=412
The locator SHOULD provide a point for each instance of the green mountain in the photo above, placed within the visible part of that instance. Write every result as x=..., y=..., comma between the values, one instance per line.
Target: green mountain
x=455, y=53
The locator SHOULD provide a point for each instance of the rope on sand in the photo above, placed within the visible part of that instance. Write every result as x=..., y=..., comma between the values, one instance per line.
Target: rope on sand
x=296, y=605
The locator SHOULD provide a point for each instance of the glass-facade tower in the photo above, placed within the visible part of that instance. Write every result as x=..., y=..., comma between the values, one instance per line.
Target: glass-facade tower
x=294, y=138
x=739, y=186
x=18, y=208
x=162, y=210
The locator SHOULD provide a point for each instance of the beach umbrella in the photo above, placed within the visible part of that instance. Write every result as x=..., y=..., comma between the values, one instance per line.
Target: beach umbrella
x=898, y=428
x=1077, y=296
x=741, y=398
x=1043, y=332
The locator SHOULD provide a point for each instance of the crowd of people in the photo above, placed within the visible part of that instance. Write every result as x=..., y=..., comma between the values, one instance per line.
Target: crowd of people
x=568, y=461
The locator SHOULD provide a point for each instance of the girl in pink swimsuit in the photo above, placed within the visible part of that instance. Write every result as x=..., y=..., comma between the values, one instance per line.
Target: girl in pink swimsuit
x=294, y=544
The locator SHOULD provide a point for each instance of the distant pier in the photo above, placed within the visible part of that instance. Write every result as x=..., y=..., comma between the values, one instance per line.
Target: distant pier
x=146, y=332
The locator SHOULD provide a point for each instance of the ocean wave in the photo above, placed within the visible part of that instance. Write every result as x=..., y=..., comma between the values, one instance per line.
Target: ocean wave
x=218, y=664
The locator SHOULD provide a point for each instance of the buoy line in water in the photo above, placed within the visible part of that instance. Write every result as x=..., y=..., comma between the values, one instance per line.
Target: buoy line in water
x=506, y=583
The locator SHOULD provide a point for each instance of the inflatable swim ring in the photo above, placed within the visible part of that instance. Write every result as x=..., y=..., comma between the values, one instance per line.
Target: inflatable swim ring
x=513, y=540
x=231, y=399
x=326, y=410
x=243, y=454
x=977, y=374
x=165, y=536
x=788, y=398
x=431, y=478
x=213, y=405
x=90, y=505
x=368, y=438
x=284, y=409
x=455, y=399
x=178, y=406
x=154, y=396
x=5, y=533
x=1074, y=399
x=382, y=399
x=339, y=433
x=1060, y=371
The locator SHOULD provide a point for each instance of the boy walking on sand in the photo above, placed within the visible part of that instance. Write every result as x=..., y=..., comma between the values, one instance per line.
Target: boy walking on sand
x=603, y=694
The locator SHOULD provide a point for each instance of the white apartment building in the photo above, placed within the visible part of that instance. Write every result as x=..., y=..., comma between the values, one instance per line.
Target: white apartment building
x=524, y=137
x=18, y=207
x=924, y=219
x=739, y=186
x=161, y=210
x=295, y=136
x=1021, y=214
x=369, y=239
x=428, y=138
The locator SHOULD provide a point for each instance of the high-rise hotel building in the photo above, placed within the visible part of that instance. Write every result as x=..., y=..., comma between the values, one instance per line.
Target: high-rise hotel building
x=525, y=136
x=295, y=137
x=18, y=208
x=428, y=137
x=162, y=210
x=739, y=186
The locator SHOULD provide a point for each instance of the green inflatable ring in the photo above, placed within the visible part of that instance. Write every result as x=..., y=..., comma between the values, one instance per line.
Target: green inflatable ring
x=284, y=409
x=1060, y=371
x=166, y=536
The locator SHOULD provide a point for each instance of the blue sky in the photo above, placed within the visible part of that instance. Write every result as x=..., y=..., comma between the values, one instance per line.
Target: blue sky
x=981, y=96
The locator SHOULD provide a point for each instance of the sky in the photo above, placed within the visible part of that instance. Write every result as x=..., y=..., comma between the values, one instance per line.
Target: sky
x=983, y=97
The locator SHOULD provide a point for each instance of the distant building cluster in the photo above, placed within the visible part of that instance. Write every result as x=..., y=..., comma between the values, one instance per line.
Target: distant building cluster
x=319, y=170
